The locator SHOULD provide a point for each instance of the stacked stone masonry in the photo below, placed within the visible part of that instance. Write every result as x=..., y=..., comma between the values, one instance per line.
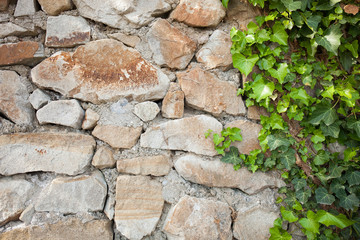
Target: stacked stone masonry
x=103, y=110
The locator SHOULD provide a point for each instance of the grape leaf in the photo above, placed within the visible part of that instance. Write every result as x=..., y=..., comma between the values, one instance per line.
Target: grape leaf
x=280, y=73
x=276, y=141
x=331, y=39
x=245, y=65
x=310, y=223
x=288, y=158
x=232, y=156
x=279, y=34
x=288, y=215
x=323, y=113
x=323, y=197
x=349, y=202
x=328, y=219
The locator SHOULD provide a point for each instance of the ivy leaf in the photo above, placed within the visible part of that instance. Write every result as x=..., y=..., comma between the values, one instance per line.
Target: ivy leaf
x=303, y=195
x=262, y=36
x=288, y=215
x=276, y=141
x=301, y=95
x=266, y=63
x=217, y=139
x=328, y=219
x=262, y=90
x=323, y=113
x=335, y=171
x=279, y=34
x=313, y=22
x=299, y=184
x=354, y=125
x=280, y=73
x=328, y=92
x=232, y=156
x=318, y=136
x=323, y=197
x=338, y=188
x=225, y=3
x=332, y=130
x=310, y=223
x=252, y=27
x=349, y=202
x=245, y=65
x=353, y=48
x=258, y=2
x=291, y=4
x=321, y=158
x=353, y=177
x=331, y=39
x=349, y=154
x=288, y=158
x=277, y=235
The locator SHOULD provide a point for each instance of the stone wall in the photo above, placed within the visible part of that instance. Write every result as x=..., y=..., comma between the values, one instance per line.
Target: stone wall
x=104, y=106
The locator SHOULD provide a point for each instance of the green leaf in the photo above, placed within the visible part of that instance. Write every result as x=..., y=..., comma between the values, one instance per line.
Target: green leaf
x=301, y=95
x=349, y=202
x=232, y=156
x=328, y=219
x=335, y=171
x=354, y=125
x=349, y=154
x=262, y=90
x=303, y=195
x=275, y=142
x=262, y=36
x=277, y=235
x=338, y=188
x=323, y=113
x=245, y=65
x=258, y=2
x=328, y=92
x=288, y=158
x=279, y=34
x=323, y=197
x=313, y=22
x=332, y=130
x=252, y=27
x=299, y=184
x=217, y=139
x=353, y=48
x=292, y=5
x=321, y=158
x=353, y=177
x=288, y=215
x=280, y=73
x=310, y=223
x=266, y=63
x=331, y=39
x=318, y=136
x=225, y=3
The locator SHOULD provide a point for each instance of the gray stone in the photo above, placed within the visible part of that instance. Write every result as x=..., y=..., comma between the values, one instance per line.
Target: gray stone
x=27, y=215
x=68, y=153
x=146, y=111
x=62, y=112
x=11, y=29
x=186, y=134
x=158, y=165
x=25, y=7
x=38, y=99
x=103, y=158
x=82, y=193
x=109, y=208
x=128, y=40
x=90, y=120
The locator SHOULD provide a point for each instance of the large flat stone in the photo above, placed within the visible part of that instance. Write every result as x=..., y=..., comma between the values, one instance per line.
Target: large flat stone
x=25, y=8
x=197, y=218
x=158, y=165
x=139, y=204
x=54, y=7
x=68, y=153
x=11, y=29
x=186, y=134
x=27, y=52
x=218, y=174
x=100, y=71
x=204, y=91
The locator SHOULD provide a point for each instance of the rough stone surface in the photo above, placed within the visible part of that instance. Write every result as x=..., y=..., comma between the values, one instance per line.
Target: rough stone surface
x=199, y=13
x=216, y=52
x=146, y=165
x=62, y=112
x=196, y=218
x=250, y=132
x=90, y=120
x=139, y=204
x=55, y=7
x=27, y=215
x=74, y=194
x=240, y=13
x=14, y=193
x=109, y=208
x=129, y=40
x=25, y=7
x=38, y=99
x=117, y=136
x=185, y=134
x=204, y=91
x=27, y=52
x=11, y=29
x=4, y=5
x=173, y=102
x=72, y=228
x=103, y=158
x=170, y=46
x=14, y=96
x=63, y=153
x=99, y=71
x=66, y=31
x=254, y=112
x=146, y=111
x=218, y=174
x=254, y=224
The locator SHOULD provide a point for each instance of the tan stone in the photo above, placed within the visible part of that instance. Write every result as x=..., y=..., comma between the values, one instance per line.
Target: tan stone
x=103, y=158
x=254, y=112
x=250, y=132
x=72, y=228
x=11, y=29
x=139, y=205
x=240, y=13
x=197, y=218
x=173, y=102
x=186, y=134
x=66, y=153
x=204, y=91
x=146, y=165
x=129, y=40
x=90, y=120
x=100, y=71
x=170, y=46
x=199, y=13
x=55, y=7
x=28, y=53
x=4, y=5
x=117, y=136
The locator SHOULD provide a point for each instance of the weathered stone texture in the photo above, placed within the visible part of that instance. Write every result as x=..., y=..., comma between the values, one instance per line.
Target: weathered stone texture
x=147, y=165
x=90, y=120
x=100, y=71
x=169, y=45
x=204, y=91
x=254, y=112
x=38, y=99
x=196, y=218
x=185, y=134
x=11, y=29
x=4, y=5
x=66, y=31
x=146, y=111
x=199, y=13
x=55, y=7
x=240, y=13
x=173, y=102
x=139, y=204
x=129, y=40
x=25, y=7
x=63, y=153
x=103, y=158
x=27, y=52
x=14, y=96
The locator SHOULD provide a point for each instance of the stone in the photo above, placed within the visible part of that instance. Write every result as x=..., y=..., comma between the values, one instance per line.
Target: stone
x=62, y=112
x=254, y=112
x=204, y=91
x=250, y=132
x=27, y=53
x=25, y=8
x=4, y=4
x=254, y=224
x=66, y=31
x=198, y=218
x=173, y=102
x=117, y=136
x=14, y=103
x=103, y=158
x=218, y=174
x=55, y=7
x=11, y=29
x=90, y=120
x=71, y=228
x=38, y=99
x=157, y=165
x=63, y=153
x=146, y=111
x=101, y=71
x=240, y=13
x=66, y=195
x=199, y=13
x=186, y=134
x=14, y=193
x=129, y=40
x=216, y=52
x=139, y=205
x=169, y=45
x=109, y=208
x=27, y=215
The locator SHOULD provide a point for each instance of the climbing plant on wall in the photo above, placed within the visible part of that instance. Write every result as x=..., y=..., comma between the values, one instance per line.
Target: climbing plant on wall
x=300, y=61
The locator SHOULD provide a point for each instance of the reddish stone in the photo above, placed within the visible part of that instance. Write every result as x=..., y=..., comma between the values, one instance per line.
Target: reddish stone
x=4, y=5
x=173, y=103
x=28, y=53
